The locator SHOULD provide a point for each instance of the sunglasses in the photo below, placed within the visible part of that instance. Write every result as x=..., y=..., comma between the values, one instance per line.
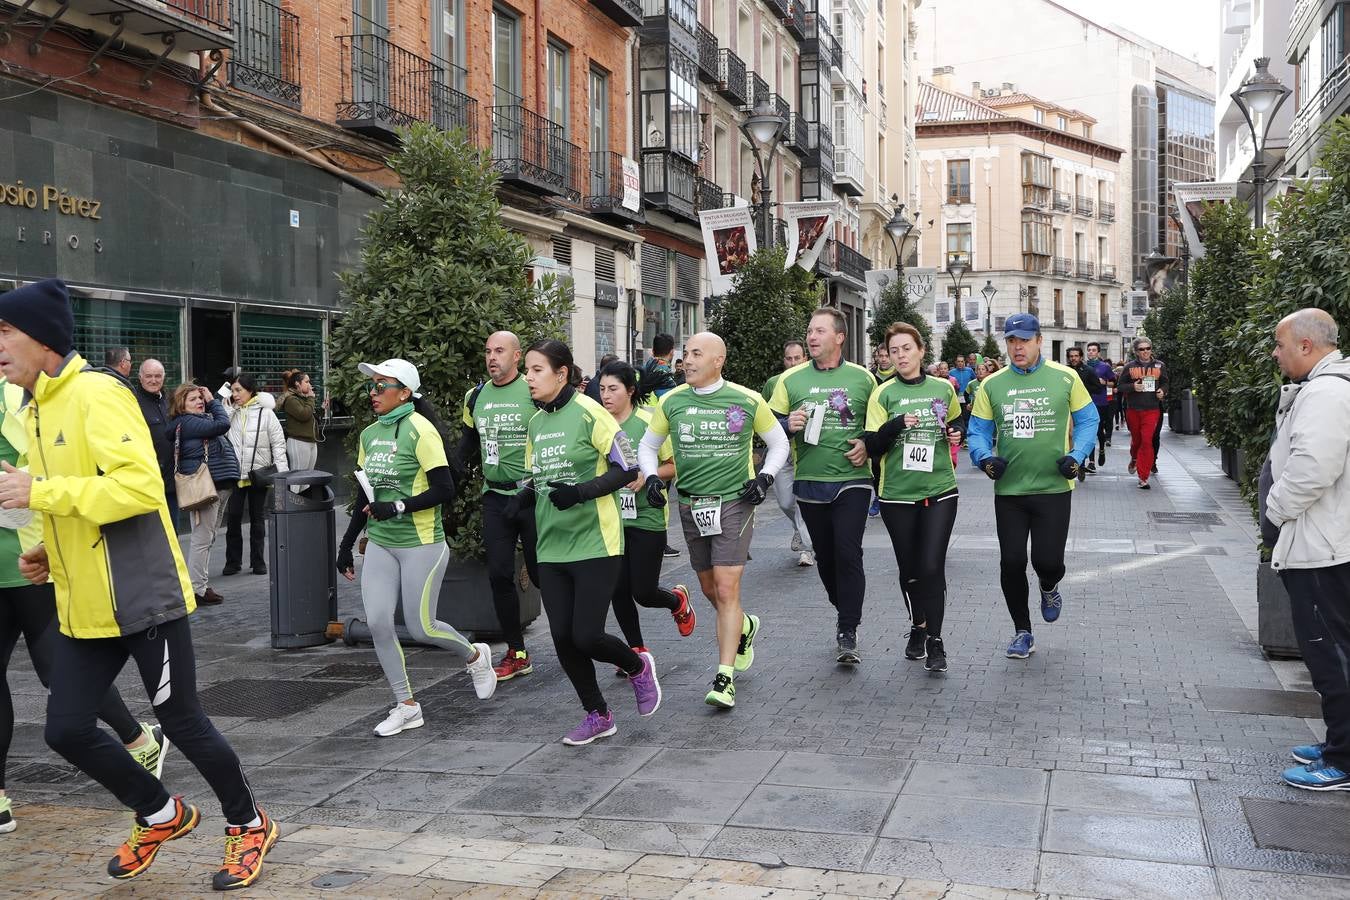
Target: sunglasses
x=1143, y=348
x=379, y=387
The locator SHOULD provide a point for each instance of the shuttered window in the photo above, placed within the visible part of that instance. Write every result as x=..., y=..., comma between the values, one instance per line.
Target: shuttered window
x=655, y=271
x=270, y=344
x=686, y=278
x=604, y=265
x=151, y=331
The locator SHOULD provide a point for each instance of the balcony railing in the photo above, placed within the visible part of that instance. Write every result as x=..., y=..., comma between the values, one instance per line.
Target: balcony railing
x=821, y=42
x=707, y=56
x=606, y=192
x=958, y=193
x=851, y=263
x=1082, y=321
x=1107, y=273
x=1085, y=268
x=529, y=150
x=707, y=194
x=1059, y=318
x=1083, y=205
x=212, y=12
x=625, y=12
x=385, y=87
x=1106, y=211
x=779, y=8
x=731, y=76
x=1063, y=266
x=668, y=183
x=797, y=139
x=796, y=20
x=780, y=106
x=756, y=89
x=822, y=149
x=266, y=57
x=1062, y=203
x=1310, y=115
x=848, y=170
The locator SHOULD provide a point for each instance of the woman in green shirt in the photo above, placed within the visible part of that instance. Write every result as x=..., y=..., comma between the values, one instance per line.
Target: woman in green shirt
x=912, y=421
x=644, y=526
x=577, y=457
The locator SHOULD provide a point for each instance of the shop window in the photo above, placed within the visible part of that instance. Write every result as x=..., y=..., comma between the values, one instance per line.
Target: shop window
x=150, y=330
x=270, y=344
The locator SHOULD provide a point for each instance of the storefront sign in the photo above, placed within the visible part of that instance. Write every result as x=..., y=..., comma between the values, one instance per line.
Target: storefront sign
x=49, y=197
x=607, y=294
x=24, y=235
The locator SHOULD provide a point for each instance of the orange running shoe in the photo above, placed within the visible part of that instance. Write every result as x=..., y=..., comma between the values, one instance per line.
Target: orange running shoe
x=136, y=855
x=684, y=613
x=515, y=662
x=244, y=852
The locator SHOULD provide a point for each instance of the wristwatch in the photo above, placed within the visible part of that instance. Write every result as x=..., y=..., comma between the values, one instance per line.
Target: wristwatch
x=400, y=508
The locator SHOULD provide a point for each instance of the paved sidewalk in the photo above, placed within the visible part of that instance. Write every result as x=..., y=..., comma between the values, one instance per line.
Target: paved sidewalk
x=1136, y=753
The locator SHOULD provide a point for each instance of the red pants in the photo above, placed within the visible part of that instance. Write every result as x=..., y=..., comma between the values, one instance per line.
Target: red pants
x=1142, y=423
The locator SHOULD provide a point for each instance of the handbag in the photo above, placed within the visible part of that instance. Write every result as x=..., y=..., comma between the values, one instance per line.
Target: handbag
x=263, y=475
x=198, y=490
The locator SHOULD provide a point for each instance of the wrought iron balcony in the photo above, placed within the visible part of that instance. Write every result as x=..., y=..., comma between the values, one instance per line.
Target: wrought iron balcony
x=707, y=194
x=1082, y=321
x=780, y=106
x=1106, y=211
x=1107, y=273
x=796, y=20
x=797, y=139
x=1063, y=266
x=266, y=57
x=707, y=56
x=850, y=263
x=213, y=12
x=756, y=89
x=606, y=192
x=627, y=13
x=529, y=151
x=1059, y=318
x=779, y=8
x=1084, y=268
x=1062, y=203
x=821, y=42
x=385, y=87
x=668, y=184
x=731, y=82
x=1083, y=206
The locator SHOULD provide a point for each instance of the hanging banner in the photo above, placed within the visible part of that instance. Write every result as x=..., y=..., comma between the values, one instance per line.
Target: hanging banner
x=728, y=242
x=1193, y=198
x=809, y=226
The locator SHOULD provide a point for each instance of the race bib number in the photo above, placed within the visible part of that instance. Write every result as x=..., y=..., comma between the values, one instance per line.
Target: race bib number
x=1024, y=420
x=627, y=504
x=707, y=513
x=1150, y=384
x=918, y=457
x=491, y=453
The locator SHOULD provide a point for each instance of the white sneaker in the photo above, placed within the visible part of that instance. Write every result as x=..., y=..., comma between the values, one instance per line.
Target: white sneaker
x=806, y=559
x=403, y=717
x=797, y=543
x=481, y=671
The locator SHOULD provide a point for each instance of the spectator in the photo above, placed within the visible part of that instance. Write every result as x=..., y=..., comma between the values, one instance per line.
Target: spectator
x=260, y=446
x=119, y=360
x=298, y=403
x=657, y=371
x=593, y=384
x=149, y=391
x=200, y=426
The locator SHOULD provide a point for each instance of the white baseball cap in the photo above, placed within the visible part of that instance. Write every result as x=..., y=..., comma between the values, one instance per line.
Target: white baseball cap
x=401, y=369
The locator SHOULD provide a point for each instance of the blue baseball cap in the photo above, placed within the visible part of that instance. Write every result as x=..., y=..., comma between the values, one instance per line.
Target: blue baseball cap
x=1022, y=325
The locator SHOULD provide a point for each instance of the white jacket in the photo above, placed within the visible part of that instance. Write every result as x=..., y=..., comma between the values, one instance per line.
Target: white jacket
x=258, y=438
x=1310, y=464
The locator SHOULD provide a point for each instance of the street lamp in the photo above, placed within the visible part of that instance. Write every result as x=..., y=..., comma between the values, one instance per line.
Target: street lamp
x=764, y=128
x=988, y=291
x=1261, y=95
x=899, y=228
x=957, y=268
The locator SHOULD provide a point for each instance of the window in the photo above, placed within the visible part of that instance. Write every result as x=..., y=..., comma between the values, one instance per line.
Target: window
x=1301, y=80
x=721, y=161
x=1104, y=315
x=959, y=243
x=1082, y=310
x=1033, y=300
x=669, y=86
x=1035, y=237
x=557, y=87
x=505, y=59
x=1061, y=123
x=958, y=181
x=1087, y=130
x=1102, y=258
x=447, y=40
x=148, y=330
x=599, y=103
x=1333, y=39
x=1040, y=116
x=1036, y=170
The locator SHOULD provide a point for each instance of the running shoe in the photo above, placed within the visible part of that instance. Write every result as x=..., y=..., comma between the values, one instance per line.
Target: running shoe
x=1132, y=468
x=483, y=674
x=1091, y=467
x=618, y=670
x=796, y=546
x=403, y=717
x=916, y=648
x=515, y=662
x=244, y=851
x=1318, y=776
x=1155, y=466
x=646, y=688
x=874, y=511
x=1022, y=646
x=7, y=823
x=593, y=727
x=1101, y=454
x=745, y=652
x=136, y=855
x=1308, y=753
x=684, y=615
x=1051, y=604
x=1143, y=485
x=723, y=692
x=937, y=656
x=671, y=552
x=846, y=648
x=151, y=756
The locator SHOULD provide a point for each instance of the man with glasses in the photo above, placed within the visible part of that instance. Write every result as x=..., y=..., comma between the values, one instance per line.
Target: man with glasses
x=1143, y=385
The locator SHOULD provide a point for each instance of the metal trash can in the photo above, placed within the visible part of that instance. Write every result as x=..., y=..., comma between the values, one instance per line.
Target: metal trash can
x=1186, y=414
x=302, y=558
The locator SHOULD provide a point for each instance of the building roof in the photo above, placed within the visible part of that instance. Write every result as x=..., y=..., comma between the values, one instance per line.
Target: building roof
x=939, y=105
x=941, y=110
x=1021, y=99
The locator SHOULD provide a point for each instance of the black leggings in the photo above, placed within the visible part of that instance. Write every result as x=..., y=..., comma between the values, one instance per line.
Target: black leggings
x=920, y=533
x=500, y=533
x=83, y=669
x=637, y=585
x=576, y=598
x=255, y=496
x=30, y=611
x=836, y=530
x=1103, y=428
x=1045, y=517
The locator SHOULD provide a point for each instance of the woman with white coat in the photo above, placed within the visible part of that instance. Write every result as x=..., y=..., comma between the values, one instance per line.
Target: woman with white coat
x=260, y=444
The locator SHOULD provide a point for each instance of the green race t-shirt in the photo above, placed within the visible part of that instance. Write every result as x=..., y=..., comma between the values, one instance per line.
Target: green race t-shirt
x=712, y=436
x=918, y=465
x=1033, y=424
x=500, y=414
x=647, y=518
x=767, y=391
x=573, y=445
x=397, y=450
x=844, y=392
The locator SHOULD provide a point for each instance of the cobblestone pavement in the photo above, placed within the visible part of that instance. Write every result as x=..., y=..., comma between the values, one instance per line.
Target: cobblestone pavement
x=1125, y=758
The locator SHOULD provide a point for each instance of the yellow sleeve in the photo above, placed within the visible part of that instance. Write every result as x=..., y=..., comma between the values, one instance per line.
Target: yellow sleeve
x=779, y=401
x=529, y=454
x=430, y=449
x=764, y=417
x=658, y=421
x=953, y=405
x=982, y=408
x=467, y=417
x=361, y=451
x=603, y=429
x=876, y=413
x=1078, y=395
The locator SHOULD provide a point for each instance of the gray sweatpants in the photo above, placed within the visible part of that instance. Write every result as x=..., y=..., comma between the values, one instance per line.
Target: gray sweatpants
x=413, y=574
x=787, y=502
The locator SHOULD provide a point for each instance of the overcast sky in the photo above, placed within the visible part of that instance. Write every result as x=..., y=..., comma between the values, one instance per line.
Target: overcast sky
x=1189, y=27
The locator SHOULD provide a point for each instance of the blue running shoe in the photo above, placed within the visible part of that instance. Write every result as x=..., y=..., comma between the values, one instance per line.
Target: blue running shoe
x=1051, y=603
x=875, y=509
x=1307, y=753
x=1022, y=646
x=1318, y=776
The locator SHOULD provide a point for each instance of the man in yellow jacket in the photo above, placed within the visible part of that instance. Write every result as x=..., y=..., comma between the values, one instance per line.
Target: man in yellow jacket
x=122, y=589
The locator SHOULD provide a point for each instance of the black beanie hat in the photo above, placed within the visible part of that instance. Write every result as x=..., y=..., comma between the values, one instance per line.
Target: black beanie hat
x=42, y=311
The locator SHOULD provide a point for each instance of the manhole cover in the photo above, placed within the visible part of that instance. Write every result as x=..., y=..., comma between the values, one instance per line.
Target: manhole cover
x=1186, y=518
x=1280, y=825
x=45, y=773
x=1259, y=702
x=263, y=698
x=334, y=880
x=348, y=672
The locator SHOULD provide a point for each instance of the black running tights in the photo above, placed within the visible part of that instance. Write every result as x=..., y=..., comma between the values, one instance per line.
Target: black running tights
x=1045, y=518
x=576, y=598
x=637, y=585
x=920, y=533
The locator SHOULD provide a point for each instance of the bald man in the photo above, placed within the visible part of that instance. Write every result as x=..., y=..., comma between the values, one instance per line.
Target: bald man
x=149, y=391
x=495, y=415
x=1305, y=520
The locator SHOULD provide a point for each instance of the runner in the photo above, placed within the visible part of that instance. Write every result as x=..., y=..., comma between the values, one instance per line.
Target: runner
x=823, y=405
x=1093, y=385
x=1031, y=428
x=794, y=354
x=1143, y=385
x=717, y=490
x=1101, y=399
x=918, y=484
x=495, y=415
x=644, y=526
x=402, y=454
x=579, y=456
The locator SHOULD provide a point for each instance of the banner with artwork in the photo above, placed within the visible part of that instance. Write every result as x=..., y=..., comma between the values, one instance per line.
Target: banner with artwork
x=809, y=226
x=1193, y=198
x=728, y=243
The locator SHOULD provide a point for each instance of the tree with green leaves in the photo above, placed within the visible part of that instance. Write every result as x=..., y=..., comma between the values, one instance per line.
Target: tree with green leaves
x=440, y=272
x=990, y=348
x=766, y=307
x=1163, y=327
x=894, y=305
x=958, y=341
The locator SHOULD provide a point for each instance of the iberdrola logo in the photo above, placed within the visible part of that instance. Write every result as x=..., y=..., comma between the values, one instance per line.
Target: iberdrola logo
x=839, y=403
x=735, y=418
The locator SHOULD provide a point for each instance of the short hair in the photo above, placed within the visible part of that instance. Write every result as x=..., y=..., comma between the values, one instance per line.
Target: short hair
x=840, y=323
x=1137, y=341
x=1092, y=344
x=662, y=344
x=113, y=356
x=902, y=328
x=178, y=400
x=1078, y=350
x=794, y=343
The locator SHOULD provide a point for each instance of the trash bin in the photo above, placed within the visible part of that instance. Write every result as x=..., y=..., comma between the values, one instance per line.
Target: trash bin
x=302, y=558
x=1186, y=415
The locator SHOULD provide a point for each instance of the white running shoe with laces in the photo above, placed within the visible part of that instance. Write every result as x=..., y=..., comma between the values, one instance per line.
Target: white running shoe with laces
x=481, y=671
x=403, y=717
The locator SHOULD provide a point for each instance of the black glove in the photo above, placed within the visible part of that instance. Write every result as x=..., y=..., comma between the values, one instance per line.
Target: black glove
x=994, y=467
x=345, y=563
x=563, y=496
x=656, y=492
x=757, y=488
x=382, y=509
x=1068, y=466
